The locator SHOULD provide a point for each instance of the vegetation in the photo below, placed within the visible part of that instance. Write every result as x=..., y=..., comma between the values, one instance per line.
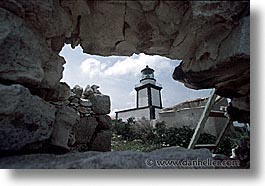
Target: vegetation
x=142, y=136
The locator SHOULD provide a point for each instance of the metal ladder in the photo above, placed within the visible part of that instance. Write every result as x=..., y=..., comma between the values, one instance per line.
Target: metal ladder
x=207, y=112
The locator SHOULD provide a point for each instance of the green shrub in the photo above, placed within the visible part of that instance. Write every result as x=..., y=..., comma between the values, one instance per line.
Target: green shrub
x=142, y=136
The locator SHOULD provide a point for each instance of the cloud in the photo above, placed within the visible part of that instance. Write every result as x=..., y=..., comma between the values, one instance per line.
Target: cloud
x=125, y=66
x=92, y=67
x=133, y=65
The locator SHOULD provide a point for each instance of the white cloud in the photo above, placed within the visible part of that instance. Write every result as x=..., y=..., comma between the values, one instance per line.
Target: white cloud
x=91, y=67
x=133, y=65
x=128, y=66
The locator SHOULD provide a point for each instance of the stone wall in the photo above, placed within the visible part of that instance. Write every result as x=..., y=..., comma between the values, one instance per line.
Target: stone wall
x=92, y=132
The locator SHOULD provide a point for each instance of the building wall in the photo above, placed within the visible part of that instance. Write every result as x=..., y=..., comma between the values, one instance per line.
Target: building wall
x=143, y=97
x=155, y=97
x=137, y=114
x=157, y=111
x=190, y=117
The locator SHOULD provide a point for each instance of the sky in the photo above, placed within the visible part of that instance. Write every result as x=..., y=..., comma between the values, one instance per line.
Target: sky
x=117, y=76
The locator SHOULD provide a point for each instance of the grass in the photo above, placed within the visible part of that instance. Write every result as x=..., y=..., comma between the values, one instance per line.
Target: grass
x=118, y=144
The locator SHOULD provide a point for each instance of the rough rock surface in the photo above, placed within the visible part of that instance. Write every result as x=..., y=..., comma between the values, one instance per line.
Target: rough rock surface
x=102, y=141
x=60, y=92
x=104, y=122
x=100, y=104
x=210, y=37
x=106, y=160
x=46, y=16
x=18, y=63
x=85, y=129
x=26, y=56
x=78, y=91
x=92, y=131
x=66, y=118
x=24, y=118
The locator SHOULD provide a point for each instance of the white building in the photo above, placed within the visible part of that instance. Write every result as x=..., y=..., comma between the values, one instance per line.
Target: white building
x=188, y=113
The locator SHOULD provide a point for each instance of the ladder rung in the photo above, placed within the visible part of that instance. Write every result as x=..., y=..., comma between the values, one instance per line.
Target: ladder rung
x=217, y=114
x=208, y=146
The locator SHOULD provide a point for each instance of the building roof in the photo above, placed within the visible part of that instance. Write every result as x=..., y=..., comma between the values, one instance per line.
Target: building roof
x=147, y=70
x=188, y=104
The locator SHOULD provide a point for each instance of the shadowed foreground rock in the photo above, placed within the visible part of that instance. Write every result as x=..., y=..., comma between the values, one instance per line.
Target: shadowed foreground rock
x=24, y=118
x=106, y=160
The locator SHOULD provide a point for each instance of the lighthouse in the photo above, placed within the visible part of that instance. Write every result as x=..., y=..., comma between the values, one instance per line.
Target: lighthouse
x=148, y=98
x=148, y=91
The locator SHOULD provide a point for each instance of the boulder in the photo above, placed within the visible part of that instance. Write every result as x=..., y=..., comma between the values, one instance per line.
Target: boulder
x=24, y=118
x=85, y=129
x=74, y=101
x=66, y=118
x=85, y=103
x=102, y=142
x=26, y=57
x=60, y=92
x=78, y=91
x=100, y=104
x=111, y=31
x=17, y=65
x=104, y=122
x=84, y=110
x=109, y=160
x=88, y=92
x=53, y=71
x=48, y=17
x=95, y=89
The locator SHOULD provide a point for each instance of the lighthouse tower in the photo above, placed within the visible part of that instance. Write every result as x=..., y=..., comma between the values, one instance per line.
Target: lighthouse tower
x=148, y=92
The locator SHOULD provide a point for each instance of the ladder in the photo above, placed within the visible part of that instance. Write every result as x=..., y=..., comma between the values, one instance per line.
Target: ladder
x=207, y=112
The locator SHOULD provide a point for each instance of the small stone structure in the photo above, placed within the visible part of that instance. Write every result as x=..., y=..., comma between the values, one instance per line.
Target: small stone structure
x=78, y=123
x=188, y=113
x=92, y=132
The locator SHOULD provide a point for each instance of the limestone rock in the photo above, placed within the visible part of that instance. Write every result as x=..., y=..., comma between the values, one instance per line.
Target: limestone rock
x=110, y=33
x=106, y=160
x=60, y=92
x=66, y=118
x=88, y=92
x=53, y=71
x=102, y=141
x=78, y=91
x=211, y=38
x=104, y=122
x=95, y=89
x=221, y=46
x=84, y=129
x=75, y=101
x=85, y=103
x=26, y=57
x=48, y=17
x=25, y=118
x=18, y=63
x=100, y=104
x=84, y=110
